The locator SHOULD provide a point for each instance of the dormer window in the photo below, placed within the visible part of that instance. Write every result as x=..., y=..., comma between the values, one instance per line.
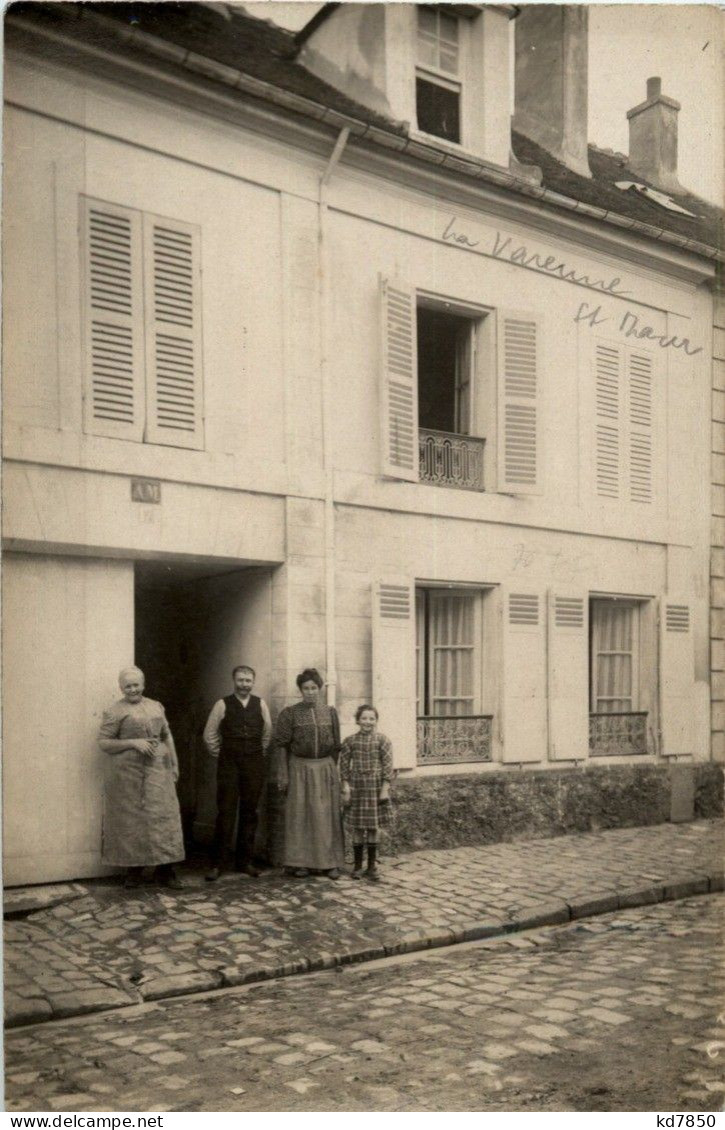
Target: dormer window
x=437, y=81
x=441, y=68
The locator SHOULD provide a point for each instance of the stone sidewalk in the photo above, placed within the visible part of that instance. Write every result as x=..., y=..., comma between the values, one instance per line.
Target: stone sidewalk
x=104, y=947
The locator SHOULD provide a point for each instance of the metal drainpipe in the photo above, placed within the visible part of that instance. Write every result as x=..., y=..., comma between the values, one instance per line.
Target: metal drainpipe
x=327, y=449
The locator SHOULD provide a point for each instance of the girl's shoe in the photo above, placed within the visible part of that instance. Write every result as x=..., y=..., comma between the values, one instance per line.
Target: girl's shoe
x=373, y=874
x=358, y=872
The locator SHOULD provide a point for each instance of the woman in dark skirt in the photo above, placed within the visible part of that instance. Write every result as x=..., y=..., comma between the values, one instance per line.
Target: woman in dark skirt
x=307, y=741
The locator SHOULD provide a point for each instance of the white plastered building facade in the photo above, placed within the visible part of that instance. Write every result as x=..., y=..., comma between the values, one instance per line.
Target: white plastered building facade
x=278, y=396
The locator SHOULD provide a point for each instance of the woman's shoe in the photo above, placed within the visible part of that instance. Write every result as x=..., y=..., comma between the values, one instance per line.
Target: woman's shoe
x=301, y=872
x=172, y=883
x=334, y=873
x=166, y=877
x=134, y=878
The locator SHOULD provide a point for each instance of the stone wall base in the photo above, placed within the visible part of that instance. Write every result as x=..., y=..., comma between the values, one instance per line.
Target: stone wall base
x=465, y=810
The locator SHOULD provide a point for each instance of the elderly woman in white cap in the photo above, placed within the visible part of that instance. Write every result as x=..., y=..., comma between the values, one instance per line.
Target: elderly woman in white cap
x=141, y=819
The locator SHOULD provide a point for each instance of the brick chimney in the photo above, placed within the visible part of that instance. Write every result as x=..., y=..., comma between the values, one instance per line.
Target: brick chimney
x=551, y=98
x=653, y=138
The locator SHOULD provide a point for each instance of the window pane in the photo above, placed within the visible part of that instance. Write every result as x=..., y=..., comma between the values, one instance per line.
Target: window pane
x=427, y=52
x=453, y=673
x=452, y=644
x=462, y=621
x=613, y=657
x=449, y=60
x=448, y=28
x=452, y=619
x=616, y=626
x=427, y=20
x=614, y=678
x=438, y=110
x=449, y=645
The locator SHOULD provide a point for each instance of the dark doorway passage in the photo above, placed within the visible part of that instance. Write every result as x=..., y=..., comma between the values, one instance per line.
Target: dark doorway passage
x=193, y=622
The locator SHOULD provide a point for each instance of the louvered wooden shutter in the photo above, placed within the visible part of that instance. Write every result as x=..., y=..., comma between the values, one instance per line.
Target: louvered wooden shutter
x=639, y=374
x=568, y=631
x=523, y=688
x=607, y=437
x=394, y=665
x=677, y=675
x=173, y=333
x=399, y=392
x=519, y=405
x=623, y=441
x=114, y=390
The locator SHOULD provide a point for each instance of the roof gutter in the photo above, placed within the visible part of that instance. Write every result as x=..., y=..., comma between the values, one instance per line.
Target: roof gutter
x=384, y=139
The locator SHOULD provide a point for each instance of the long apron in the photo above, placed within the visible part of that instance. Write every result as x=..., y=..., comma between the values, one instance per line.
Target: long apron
x=313, y=829
x=141, y=819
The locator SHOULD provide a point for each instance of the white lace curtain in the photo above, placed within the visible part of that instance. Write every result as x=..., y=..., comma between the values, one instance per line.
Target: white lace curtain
x=613, y=656
x=447, y=649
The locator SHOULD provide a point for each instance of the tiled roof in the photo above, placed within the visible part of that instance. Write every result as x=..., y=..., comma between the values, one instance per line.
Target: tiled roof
x=257, y=47
x=268, y=53
x=601, y=191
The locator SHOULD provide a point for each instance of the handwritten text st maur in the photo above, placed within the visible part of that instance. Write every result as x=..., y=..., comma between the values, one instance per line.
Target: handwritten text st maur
x=631, y=325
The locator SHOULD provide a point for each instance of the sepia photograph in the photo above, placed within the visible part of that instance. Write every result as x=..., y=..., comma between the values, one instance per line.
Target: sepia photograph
x=363, y=575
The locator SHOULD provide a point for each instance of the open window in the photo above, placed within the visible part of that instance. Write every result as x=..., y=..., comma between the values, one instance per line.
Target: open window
x=451, y=448
x=445, y=377
x=461, y=393
x=438, y=73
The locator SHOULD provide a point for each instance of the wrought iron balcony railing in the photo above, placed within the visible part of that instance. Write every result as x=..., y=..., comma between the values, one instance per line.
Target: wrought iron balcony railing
x=617, y=735
x=451, y=460
x=444, y=741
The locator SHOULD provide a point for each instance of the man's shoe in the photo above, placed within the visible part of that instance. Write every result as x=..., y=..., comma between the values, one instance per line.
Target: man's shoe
x=212, y=875
x=251, y=870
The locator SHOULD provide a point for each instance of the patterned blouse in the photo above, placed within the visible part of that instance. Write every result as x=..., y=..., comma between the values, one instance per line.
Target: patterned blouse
x=308, y=731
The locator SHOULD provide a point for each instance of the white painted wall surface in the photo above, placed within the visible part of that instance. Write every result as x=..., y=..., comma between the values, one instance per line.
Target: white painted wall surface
x=253, y=494
x=67, y=631
x=52, y=165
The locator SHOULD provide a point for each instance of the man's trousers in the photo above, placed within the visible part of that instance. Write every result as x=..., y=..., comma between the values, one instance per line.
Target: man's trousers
x=240, y=778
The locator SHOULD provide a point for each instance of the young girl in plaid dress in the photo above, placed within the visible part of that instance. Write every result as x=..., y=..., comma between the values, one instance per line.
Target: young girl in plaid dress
x=366, y=770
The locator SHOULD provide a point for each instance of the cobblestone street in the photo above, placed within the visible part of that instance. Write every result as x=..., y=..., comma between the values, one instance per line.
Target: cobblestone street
x=109, y=947
x=620, y=1012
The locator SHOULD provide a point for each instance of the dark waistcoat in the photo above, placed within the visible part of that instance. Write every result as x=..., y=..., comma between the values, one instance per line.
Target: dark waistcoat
x=241, y=728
